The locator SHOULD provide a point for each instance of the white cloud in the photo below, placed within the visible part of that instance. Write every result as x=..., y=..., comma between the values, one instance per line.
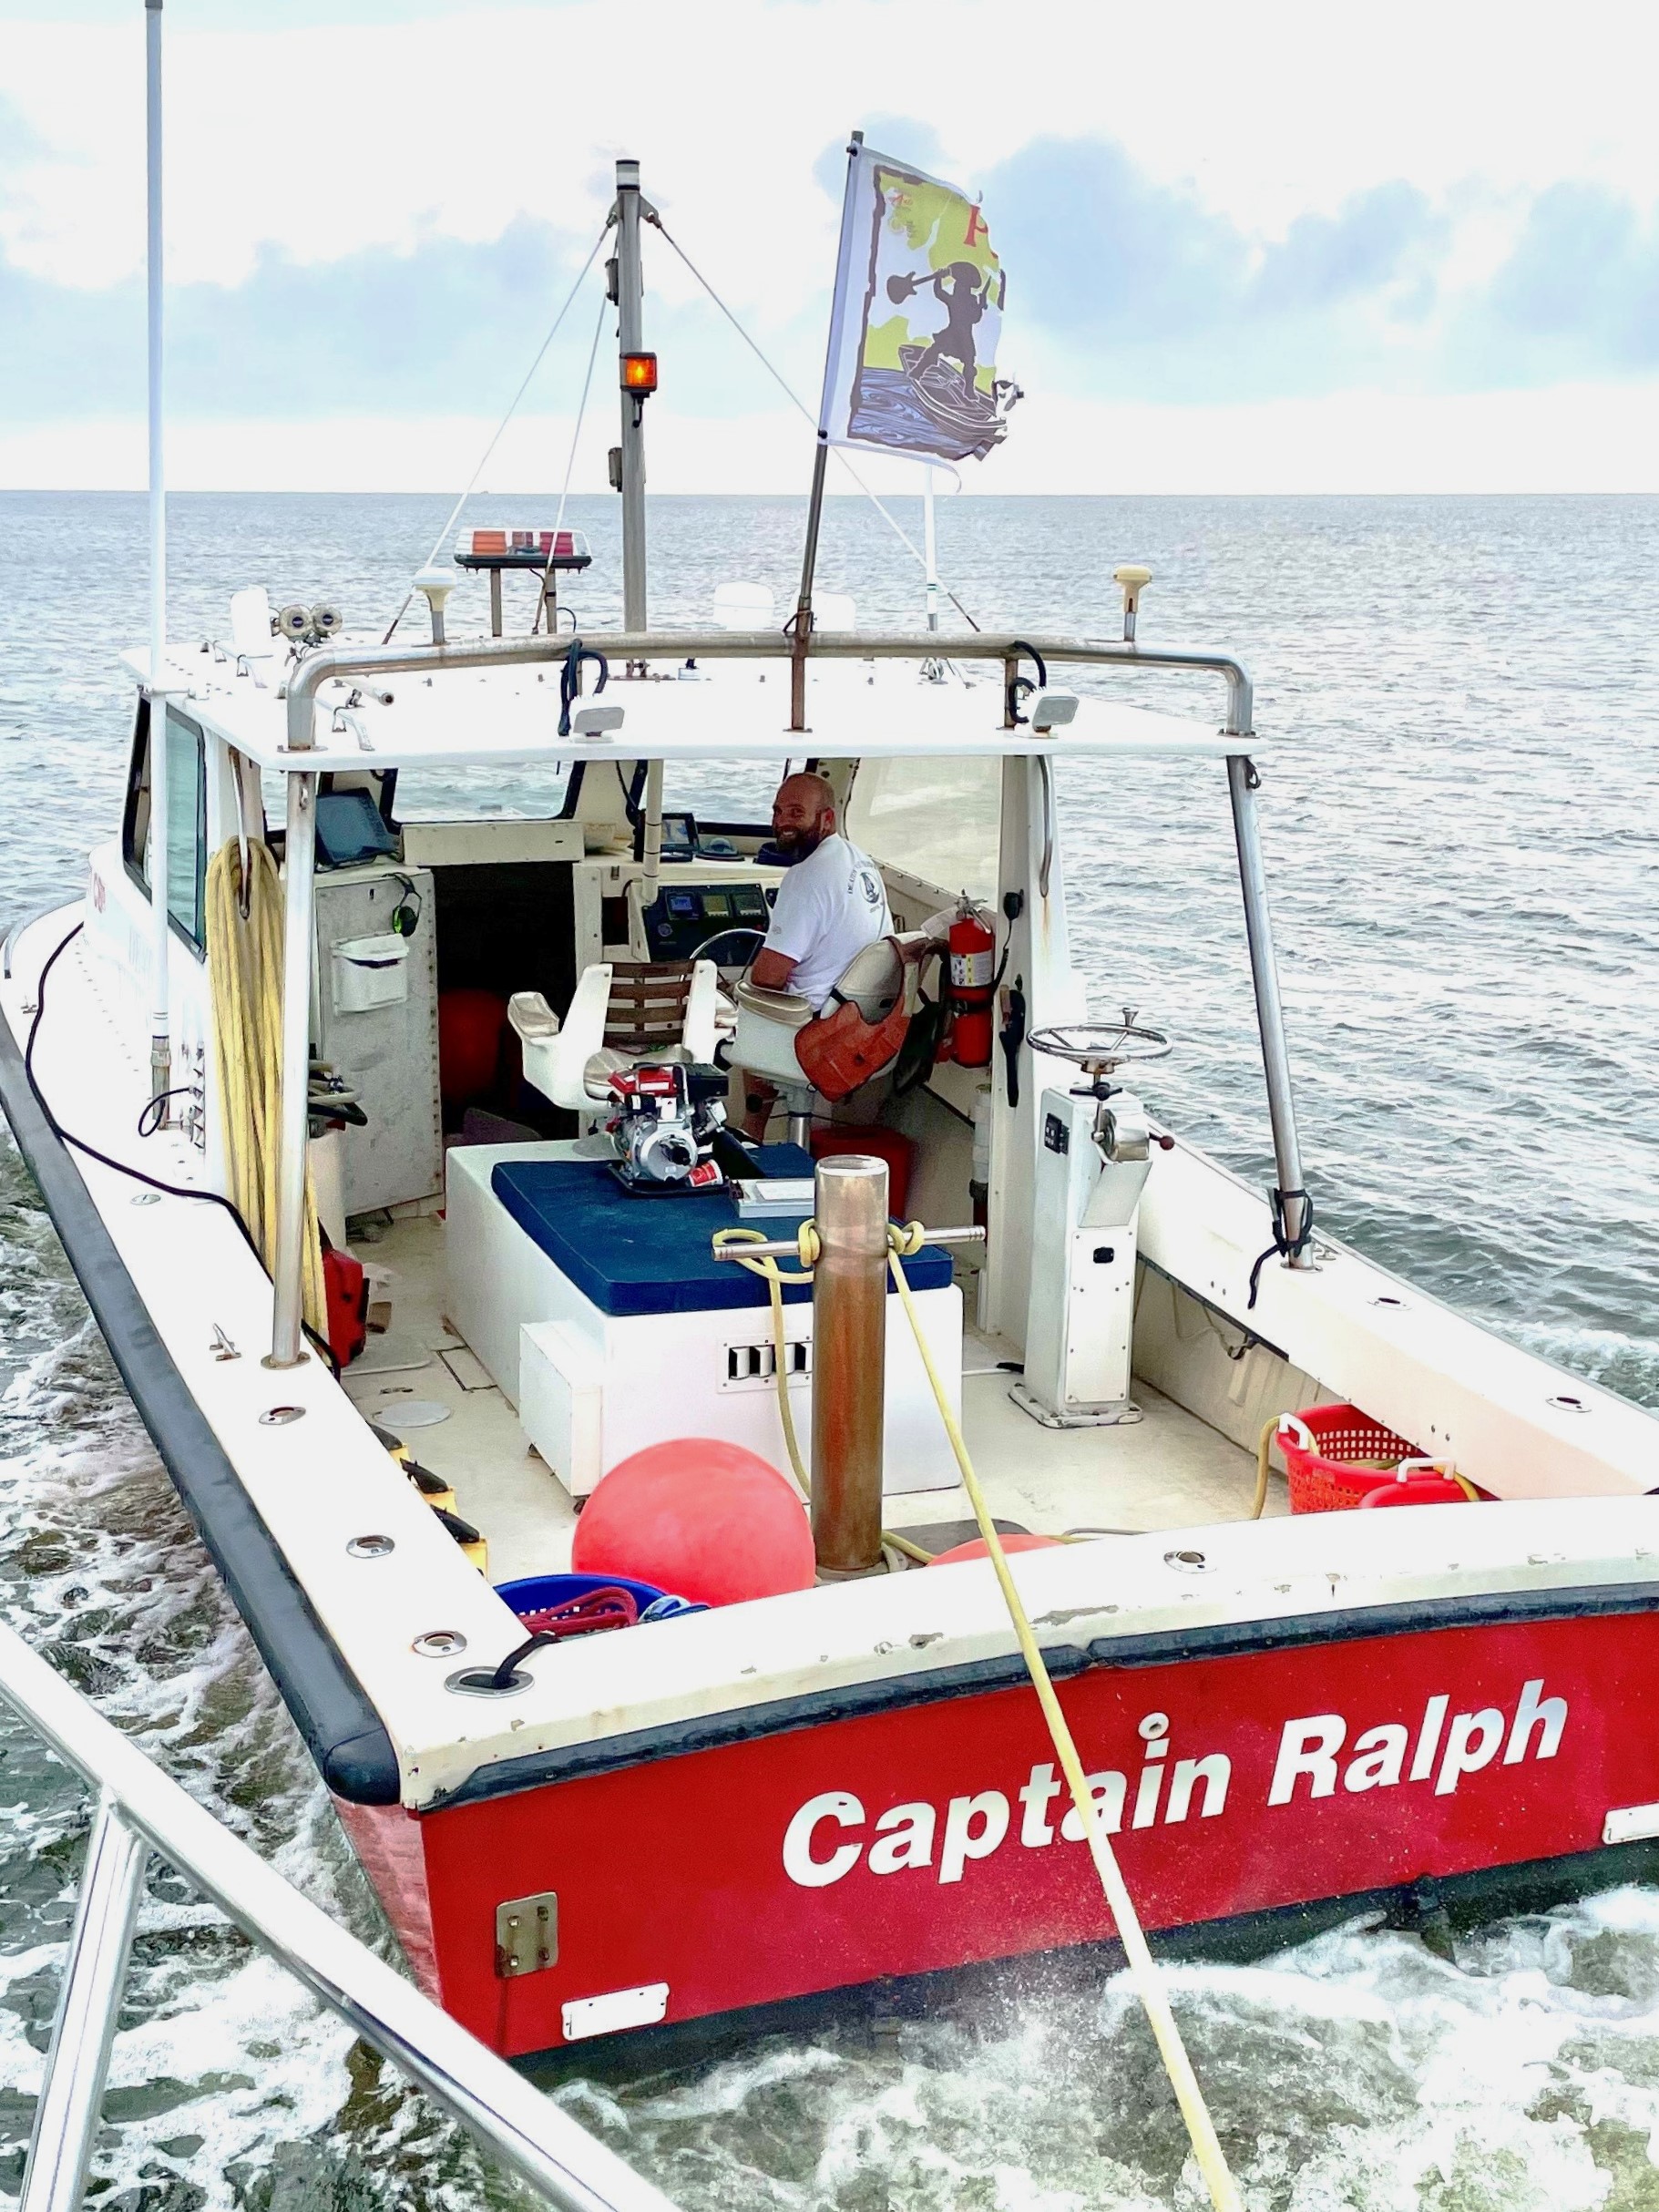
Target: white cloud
x=383, y=136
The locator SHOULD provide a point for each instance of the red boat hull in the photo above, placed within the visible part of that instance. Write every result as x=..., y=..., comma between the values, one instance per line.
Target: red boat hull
x=930, y=1836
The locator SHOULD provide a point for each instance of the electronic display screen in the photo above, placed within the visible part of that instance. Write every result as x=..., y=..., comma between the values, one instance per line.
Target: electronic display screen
x=716, y=903
x=682, y=904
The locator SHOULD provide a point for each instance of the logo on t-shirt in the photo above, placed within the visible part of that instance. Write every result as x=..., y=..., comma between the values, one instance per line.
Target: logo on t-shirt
x=865, y=880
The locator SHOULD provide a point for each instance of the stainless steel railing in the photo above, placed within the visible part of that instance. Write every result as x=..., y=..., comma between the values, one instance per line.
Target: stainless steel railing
x=141, y=1809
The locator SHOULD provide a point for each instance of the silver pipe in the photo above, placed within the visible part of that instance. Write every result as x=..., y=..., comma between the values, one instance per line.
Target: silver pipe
x=161, y=1021
x=356, y=661
x=1269, y=1011
x=651, y=846
x=801, y=638
x=298, y=900
x=67, y=2116
x=781, y=1248
x=849, y=1362
x=526, y=2130
x=630, y=313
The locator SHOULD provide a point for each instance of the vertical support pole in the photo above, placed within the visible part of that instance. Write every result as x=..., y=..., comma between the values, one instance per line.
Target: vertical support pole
x=652, y=843
x=94, y=1974
x=495, y=602
x=804, y=603
x=931, y=550
x=849, y=1363
x=161, y=1046
x=1242, y=781
x=814, y=502
x=631, y=296
x=299, y=889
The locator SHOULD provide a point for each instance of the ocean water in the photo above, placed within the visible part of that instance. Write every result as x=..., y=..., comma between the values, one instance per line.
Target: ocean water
x=1459, y=725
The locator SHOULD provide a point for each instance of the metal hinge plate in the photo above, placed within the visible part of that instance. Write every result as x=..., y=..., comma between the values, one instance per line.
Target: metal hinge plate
x=526, y=1934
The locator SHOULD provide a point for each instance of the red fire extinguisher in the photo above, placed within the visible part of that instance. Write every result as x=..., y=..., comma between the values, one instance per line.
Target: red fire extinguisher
x=973, y=960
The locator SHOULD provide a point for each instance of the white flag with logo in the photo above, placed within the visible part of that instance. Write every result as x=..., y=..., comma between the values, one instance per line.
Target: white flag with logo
x=919, y=292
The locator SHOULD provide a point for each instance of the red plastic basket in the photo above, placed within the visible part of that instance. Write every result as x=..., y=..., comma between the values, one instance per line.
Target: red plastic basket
x=1327, y=1478
x=1417, y=1490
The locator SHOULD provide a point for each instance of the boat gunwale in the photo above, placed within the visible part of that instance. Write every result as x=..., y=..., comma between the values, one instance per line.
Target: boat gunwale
x=1065, y=1662
x=344, y=1734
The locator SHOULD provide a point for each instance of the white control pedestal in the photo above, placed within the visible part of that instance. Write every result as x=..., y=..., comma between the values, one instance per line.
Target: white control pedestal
x=1080, y=1321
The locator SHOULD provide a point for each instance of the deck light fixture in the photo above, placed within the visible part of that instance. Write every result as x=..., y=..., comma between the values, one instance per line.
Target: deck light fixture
x=639, y=374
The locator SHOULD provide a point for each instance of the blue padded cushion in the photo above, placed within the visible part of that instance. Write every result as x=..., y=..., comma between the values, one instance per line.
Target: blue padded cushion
x=651, y=1255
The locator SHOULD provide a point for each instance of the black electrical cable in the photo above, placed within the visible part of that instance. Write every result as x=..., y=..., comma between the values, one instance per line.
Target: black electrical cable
x=122, y=1167
x=570, y=674
x=152, y=1114
x=1020, y=687
x=1290, y=1247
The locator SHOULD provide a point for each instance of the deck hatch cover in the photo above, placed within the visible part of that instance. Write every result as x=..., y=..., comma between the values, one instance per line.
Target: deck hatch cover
x=526, y=1934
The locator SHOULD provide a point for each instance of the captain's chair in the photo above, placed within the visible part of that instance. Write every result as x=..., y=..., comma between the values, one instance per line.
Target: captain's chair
x=769, y=1021
x=621, y=1014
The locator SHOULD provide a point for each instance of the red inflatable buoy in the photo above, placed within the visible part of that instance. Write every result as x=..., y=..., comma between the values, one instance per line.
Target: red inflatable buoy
x=978, y=1549
x=703, y=1519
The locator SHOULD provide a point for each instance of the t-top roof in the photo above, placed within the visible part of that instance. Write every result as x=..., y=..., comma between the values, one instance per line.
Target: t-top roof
x=457, y=717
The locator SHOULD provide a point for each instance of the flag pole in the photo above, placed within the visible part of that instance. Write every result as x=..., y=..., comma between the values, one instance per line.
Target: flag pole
x=931, y=550
x=814, y=498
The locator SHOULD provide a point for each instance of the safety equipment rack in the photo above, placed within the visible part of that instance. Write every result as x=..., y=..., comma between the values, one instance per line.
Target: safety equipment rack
x=141, y=1810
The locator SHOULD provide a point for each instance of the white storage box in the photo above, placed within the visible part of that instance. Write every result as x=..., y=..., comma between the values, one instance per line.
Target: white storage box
x=369, y=972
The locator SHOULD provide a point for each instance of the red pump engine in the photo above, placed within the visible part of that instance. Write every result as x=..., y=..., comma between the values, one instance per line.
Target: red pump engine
x=973, y=965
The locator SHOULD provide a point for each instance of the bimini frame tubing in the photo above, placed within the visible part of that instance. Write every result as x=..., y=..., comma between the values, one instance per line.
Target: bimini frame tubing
x=1291, y=1210
x=357, y=661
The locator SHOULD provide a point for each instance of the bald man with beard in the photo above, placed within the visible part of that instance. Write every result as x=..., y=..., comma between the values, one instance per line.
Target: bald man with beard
x=830, y=905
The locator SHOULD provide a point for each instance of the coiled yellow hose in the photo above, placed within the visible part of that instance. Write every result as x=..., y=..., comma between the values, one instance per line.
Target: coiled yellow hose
x=245, y=971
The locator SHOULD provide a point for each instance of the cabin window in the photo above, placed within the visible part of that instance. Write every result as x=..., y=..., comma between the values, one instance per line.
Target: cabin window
x=135, y=815
x=937, y=820
x=187, y=822
x=186, y=827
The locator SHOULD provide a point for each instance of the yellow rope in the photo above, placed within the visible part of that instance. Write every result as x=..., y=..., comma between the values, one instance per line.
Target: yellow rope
x=245, y=965
x=763, y=1264
x=1144, y=1971
x=772, y=1275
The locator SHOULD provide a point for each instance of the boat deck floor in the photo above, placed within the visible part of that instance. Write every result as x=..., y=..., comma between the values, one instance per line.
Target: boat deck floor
x=1168, y=1470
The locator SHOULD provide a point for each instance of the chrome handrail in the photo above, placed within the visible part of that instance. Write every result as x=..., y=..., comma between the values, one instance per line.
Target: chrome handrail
x=348, y=663
x=141, y=1809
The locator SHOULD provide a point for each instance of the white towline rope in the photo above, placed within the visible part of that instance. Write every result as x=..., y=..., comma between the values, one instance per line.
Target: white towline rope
x=1144, y=1970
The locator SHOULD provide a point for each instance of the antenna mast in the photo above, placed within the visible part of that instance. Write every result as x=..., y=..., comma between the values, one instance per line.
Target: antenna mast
x=161, y=1049
x=628, y=290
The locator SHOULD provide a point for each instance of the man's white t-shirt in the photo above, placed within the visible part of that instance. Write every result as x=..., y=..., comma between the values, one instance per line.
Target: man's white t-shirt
x=829, y=908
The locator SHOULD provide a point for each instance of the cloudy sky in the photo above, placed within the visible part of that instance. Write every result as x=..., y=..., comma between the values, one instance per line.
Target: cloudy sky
x=1282, y=248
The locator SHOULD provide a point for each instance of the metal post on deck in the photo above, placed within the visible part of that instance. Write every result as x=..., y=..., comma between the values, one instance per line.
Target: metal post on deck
x=299, y=888
x=67, y=2116
x=849, y=1363
x=1242, y=781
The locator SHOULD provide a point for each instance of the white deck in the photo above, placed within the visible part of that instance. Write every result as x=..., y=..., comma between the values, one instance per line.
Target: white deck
x=1168, y=1470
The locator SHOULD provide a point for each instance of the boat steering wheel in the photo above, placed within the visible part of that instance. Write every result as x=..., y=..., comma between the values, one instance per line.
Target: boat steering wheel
x=1099, y=1047
x=738, y=929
